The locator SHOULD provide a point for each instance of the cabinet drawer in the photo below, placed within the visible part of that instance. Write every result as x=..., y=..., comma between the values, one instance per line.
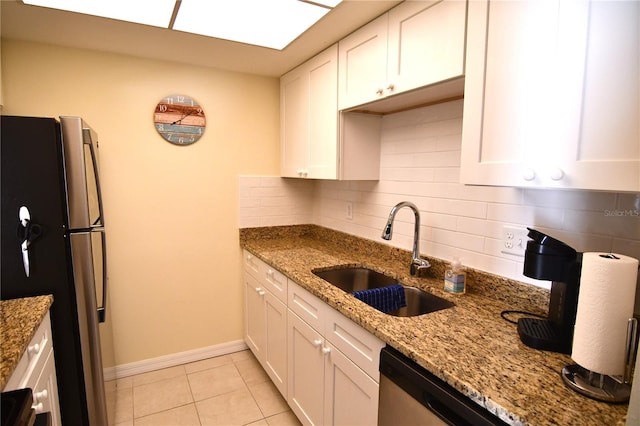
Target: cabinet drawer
x=307, y=306
x=33, y=358
x=359, y=345
x=251, y=264
x=273, y=280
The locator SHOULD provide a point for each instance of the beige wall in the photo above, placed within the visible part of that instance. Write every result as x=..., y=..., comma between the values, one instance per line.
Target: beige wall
x=171, y=212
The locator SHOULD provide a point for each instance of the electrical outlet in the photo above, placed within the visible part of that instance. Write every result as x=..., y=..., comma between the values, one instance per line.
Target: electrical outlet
x=514, y=240
x=348, y=210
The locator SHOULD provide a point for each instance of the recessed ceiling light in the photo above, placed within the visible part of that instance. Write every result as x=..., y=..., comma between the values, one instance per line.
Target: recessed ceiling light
x=273, y=23
x=268, y=23
x=148, y=12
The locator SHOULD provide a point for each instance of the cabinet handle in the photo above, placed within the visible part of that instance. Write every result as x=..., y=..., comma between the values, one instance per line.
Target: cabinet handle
x=33, y=350
x=529, y=174
x=556, y=174
x=317, y=343
x=326, y=350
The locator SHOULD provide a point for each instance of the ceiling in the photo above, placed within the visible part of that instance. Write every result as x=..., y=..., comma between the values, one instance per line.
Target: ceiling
x=38, y=24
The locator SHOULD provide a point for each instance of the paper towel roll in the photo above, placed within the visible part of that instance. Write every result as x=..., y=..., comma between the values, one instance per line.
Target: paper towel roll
x=605, y=304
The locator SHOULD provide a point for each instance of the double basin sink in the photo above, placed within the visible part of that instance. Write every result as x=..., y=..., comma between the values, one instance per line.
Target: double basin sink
x=351, y=280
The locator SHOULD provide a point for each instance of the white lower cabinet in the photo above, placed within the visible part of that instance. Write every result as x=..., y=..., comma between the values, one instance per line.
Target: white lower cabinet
x=266, y=320
x=36, y=370
x=325, y=385
x=306, y=371
x=324, y=364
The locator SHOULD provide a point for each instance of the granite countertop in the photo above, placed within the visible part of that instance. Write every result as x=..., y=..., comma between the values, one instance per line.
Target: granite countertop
x=19, y=320
x=468, y=346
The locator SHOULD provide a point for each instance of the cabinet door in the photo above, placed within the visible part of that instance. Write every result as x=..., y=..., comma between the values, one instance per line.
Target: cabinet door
x=294, y=128
x=309, y=118
x=351, y=396
x=254, y=326
x=275, y=347
x=323, y=115
x=605, y=151
x=426, y=43
x=551, y=95
x=306, y=371
x=45, y=392
x=510, y=61
x=362, y=59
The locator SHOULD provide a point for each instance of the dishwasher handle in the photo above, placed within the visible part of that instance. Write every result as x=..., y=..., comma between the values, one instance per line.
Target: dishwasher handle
x=441, y=410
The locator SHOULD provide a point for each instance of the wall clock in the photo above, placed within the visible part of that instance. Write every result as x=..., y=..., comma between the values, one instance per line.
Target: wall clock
x=179, y=119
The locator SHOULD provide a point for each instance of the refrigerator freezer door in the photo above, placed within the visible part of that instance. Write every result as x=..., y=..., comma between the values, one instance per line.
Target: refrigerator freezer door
x=81, y=173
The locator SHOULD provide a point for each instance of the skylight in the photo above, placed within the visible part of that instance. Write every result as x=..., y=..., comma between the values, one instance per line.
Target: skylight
x=268, y=23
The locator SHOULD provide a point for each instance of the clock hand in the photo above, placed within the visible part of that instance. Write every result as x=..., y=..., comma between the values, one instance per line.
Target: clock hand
x=182, y=118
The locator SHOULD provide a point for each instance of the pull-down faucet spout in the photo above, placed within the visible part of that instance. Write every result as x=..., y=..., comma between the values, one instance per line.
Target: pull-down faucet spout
x=417, y=263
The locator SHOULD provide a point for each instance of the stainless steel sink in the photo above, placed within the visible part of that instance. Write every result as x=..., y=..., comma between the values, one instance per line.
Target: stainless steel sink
x=350, y=280
x=355, y=279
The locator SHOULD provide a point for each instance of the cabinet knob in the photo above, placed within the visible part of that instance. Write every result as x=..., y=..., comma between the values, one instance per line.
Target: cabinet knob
x=39, y=407
x=391, y=87
x=302, y=173
x=260, y=291
x=326, y=350
x=34, y=349
x=556, y=174
x=40, y=396
x=529, y=174
x=317, y=343
x=379, y=92
x=270, y=272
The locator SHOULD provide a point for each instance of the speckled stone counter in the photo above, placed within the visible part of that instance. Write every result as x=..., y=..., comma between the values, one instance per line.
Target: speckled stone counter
x=468, y=346
x=19, y=320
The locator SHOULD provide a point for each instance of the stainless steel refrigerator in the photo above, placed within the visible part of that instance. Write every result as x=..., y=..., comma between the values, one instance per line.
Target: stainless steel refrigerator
x=53, y=242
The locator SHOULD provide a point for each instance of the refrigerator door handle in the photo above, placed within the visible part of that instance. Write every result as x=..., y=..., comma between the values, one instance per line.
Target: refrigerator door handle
x=102, y=304
x=102, y=310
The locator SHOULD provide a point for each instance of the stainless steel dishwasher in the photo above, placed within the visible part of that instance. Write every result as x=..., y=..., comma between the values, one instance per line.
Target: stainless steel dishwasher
x=410, y=395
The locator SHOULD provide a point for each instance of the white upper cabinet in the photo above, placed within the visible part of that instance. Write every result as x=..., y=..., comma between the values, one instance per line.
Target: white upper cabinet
x=318, y=142
x=552, y=95
x=415, y=44
x=309, y=118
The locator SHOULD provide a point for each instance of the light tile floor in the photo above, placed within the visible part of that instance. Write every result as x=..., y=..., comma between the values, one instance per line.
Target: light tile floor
x=226, y=390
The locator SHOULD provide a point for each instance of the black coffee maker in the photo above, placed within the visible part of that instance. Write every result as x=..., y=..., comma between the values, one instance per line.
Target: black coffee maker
x=549, y=259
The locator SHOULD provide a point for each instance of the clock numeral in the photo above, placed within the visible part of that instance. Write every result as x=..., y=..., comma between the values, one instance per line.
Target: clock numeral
x=162, y=108
x=180, y=99
x=161, y=127
x=170, y=101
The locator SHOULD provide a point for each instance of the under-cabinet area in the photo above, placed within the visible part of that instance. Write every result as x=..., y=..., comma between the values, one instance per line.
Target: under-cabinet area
x=468, y=346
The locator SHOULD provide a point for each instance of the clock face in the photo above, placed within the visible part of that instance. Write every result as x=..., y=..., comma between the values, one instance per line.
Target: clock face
x=179, y=119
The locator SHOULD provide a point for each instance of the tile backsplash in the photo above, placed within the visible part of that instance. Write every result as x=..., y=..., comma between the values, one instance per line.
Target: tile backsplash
x=420, y=162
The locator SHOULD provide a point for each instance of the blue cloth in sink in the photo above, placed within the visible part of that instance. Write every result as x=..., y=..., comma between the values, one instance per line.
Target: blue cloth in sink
x=385, y=299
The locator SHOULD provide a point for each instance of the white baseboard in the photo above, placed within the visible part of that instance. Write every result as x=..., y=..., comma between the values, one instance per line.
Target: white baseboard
x=165, y=361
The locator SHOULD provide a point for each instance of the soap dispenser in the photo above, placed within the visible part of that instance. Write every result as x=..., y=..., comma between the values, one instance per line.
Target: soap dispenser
x=455, y=278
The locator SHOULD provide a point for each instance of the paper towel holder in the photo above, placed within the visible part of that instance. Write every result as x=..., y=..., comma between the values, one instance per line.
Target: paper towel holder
x=615, y=389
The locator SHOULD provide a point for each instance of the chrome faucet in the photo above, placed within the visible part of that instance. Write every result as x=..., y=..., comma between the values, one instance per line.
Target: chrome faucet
x=417, y=263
